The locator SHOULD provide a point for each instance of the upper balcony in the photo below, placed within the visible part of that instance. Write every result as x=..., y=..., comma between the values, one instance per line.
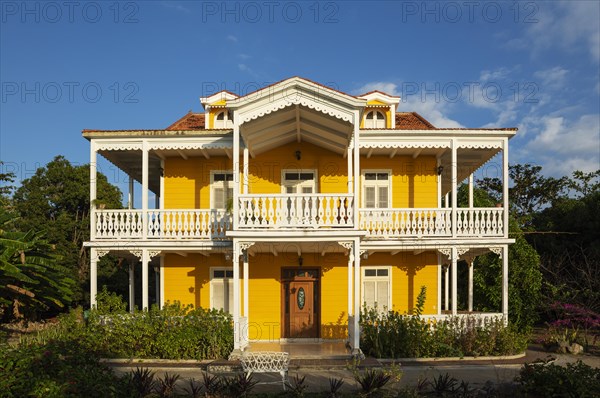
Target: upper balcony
x=289, y=212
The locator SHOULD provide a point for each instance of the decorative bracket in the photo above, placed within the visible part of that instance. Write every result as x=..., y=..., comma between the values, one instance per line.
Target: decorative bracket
x=137, y=253
x=446, y=251
x=347, y=245
x=100, y=253
x=497, y=250
x=245, y=245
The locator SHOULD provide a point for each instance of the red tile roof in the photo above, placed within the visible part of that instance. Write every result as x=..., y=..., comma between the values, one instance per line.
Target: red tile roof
x=190, y=121
x=412, y=121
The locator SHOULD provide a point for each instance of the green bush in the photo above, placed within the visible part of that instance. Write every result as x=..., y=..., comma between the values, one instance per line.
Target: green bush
x=576, y=380
x=174, y=332
x=394, y=335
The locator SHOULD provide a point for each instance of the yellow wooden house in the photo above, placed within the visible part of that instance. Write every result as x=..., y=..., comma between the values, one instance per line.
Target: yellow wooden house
x=294, y=206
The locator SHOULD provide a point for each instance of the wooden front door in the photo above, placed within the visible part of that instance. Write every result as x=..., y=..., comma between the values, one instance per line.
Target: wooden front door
x=300, y=299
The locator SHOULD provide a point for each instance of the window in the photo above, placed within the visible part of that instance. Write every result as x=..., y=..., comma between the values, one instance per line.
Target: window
x=221, y=189
x=376, y=189
x=298, y=181
x=223, y=119
x=377, y=287
x=221, y=289
x=375, y=120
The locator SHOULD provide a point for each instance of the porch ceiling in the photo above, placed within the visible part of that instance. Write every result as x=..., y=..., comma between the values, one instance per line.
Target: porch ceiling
x=292, y=250
x=296, y=123
x=131, y=163
x=469, y=160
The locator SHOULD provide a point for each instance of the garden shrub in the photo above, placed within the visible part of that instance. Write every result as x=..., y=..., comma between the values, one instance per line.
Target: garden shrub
x=394, y=335
x=576, y=380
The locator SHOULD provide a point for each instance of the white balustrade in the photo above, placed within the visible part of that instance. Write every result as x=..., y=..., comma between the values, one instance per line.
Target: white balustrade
x=395, y=223
x=487, y=221
x=162, y=224
x=296, y=211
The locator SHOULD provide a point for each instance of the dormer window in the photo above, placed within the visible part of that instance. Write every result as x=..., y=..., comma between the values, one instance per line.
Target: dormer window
x=223, y=119
x=375, y=120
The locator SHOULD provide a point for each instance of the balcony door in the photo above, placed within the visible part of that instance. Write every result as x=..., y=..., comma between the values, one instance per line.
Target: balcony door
x=299, y=208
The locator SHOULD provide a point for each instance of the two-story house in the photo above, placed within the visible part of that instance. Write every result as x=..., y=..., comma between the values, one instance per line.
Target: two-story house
x=294, y=206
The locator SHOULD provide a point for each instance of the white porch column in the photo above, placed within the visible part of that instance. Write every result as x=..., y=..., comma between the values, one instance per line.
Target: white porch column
x=350, y=171
x=454, y=283
x=246, y=284
x=356, y=171
x=93, y=188
x=145, y=172
x=245, y=170
x=446, y=201
x=439, y=183
x=471, y=191
x=157, y=273
x=93, y=276
x=236, y=173
x=237, y=338
x=446, y=288
x=145, y=261
x=504, y=256
x=350, y=263
x=356, y=343
x=470, y=265
x=161, y=203
x=162, y=282
x=131, y=287
x=505, y=182
x=130, y=195
x=454, y=196
x=439, y=283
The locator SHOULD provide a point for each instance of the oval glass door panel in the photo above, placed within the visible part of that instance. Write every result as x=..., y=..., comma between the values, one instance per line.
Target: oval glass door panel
x=301, y=298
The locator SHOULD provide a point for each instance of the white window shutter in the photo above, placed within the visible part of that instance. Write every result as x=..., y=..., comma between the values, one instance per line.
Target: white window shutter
x=383, y=197
x=370, y=197
x=219, y=198
x=217, y=294
x=369, y=294
x=383, y=295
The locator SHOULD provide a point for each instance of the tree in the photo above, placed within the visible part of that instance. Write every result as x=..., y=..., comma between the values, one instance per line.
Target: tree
x=56, y=200
x=529, y=193
x=524, y=275
x=32, y=279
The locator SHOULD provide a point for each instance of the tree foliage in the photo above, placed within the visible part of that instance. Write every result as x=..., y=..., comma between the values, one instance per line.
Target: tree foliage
x=32, y=278
x=56, y=200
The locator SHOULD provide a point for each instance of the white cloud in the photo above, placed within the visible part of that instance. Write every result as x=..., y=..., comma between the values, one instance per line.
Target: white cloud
x=564, y=25
x=433, y=111
x=232, y=38
x=244, y=56
x=566, y=146
x=247, y=69
x=552, y=78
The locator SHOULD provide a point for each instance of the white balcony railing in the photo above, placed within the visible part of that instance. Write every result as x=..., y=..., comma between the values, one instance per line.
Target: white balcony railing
x=296, y=211
x=431, y=222
x=405, y=222
x=161, y=224
x=487, y=221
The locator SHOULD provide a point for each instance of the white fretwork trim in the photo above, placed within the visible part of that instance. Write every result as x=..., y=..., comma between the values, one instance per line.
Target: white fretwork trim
x=298, y=100
x=118, y=146
x=446, y=251
x=137, y=253
x=246, y=245
x=347, y=245
x=101, y=253
x=479, y=144
x=153, y=253
x=462, y=251
x=403, y=144
x=186, y=145
x=497, y=250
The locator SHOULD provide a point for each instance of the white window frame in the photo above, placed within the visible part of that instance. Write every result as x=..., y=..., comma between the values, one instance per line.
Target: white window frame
x=376, y=184
x=227, y=122
x=213, y=281
x=374, y=122
x=213, y=185
x=314, y=185
x=388, y=279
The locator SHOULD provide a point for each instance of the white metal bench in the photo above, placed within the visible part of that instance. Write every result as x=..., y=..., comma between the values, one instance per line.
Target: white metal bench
x=266, y=362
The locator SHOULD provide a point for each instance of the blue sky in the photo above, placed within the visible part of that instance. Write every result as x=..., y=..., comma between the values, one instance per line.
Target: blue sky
x=67, y=66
